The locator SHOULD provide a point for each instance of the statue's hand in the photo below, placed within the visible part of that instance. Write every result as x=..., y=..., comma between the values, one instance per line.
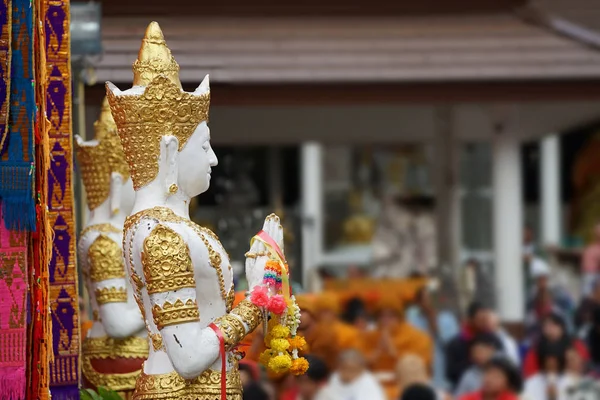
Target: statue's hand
x=258, y=255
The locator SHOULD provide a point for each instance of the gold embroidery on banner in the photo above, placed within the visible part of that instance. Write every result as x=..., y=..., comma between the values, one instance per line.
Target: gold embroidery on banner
x=106, y=260
x=166, y=261
x=172, y=386
x=111, y=295
x=177, y=313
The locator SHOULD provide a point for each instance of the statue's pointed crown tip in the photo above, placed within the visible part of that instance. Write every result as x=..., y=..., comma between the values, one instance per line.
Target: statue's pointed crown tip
x=154, y=58
x=153, y=31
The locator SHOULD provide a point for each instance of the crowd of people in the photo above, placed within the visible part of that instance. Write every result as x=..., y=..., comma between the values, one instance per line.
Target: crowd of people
x=390, y=349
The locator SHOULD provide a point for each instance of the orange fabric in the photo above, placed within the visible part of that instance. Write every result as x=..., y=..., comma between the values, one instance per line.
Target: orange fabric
x=406, y=340
x=85, y=327
x=328, y=301
x=327, y=340
x=306, y=303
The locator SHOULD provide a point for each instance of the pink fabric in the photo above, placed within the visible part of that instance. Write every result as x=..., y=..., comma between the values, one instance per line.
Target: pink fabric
x=13, y=291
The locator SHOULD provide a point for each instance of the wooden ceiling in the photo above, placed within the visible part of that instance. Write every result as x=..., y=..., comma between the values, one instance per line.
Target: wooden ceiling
x=278, y=8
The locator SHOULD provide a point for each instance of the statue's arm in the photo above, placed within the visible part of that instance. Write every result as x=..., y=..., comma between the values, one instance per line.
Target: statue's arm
x=171, y=287
x=118, y=310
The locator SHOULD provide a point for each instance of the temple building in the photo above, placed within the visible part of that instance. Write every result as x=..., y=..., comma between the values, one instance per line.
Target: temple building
x=343, y=106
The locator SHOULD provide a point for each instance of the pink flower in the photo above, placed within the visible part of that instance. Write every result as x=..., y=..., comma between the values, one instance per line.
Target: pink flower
x=260, y=296
x=277, y=304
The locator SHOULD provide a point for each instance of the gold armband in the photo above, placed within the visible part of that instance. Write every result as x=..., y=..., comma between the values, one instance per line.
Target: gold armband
x=106, y=260
x=166, y=261
x=111, y=295
x=249, y=313
x=233, y=330
x=172, y=314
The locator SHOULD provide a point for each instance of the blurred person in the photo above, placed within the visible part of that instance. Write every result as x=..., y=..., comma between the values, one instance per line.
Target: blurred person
x=393, y=338
x=510, y=347
x=327, y=308
x=475, y=283
x=593, y=343
x=411, y=371
x=549, y=382
x=458, y=348
x=250, y=377
x=440, y=325
x=356, y=315
x=590, y=262
x=313, y=384
x=545, y=299
x=483, y=348
x=419, y=392
x=320, y=339
x=501, y=381
x=585, y=311
x=553, y=332
x=352, y=380
x=576, y=383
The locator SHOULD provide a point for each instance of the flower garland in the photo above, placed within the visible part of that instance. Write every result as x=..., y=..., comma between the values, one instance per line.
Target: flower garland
x=283, y=316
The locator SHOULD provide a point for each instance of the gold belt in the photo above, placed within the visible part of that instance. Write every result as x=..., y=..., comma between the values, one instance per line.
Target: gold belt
x=105, y=347
x=172, y=386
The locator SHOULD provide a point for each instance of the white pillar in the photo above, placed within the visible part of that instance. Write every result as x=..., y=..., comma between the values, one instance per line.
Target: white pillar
x=508, y=226
x=550, y=193
x=446, y=162
x=311, y=161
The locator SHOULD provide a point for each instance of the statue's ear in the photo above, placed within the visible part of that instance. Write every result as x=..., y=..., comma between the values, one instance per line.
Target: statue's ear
x=169, y=157
x=116, y=186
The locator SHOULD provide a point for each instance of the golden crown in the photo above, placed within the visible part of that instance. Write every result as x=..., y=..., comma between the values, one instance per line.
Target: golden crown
x=99, y=160
x=162, y=109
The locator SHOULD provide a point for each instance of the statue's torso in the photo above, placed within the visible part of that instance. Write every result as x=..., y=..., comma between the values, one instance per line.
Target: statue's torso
x=210, y=281
x=108, y=362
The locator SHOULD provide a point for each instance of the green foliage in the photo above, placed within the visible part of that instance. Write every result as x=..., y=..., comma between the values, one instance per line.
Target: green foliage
x=102, y=394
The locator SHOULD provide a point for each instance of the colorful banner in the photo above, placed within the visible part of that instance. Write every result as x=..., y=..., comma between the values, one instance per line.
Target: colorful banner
x=17, y=157
x=13, y=295
x=5, y=44
x=64, y=299
x=40, y=327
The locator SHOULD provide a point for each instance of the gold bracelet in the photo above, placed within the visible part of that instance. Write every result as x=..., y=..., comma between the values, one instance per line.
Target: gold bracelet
x=249, y=313
x=233, y=330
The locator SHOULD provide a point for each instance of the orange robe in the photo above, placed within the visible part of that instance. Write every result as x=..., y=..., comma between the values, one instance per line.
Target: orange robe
x=407, y=340
x=328, y=340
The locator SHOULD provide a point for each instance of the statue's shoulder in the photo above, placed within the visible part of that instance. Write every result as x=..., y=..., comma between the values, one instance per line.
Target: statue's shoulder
x=91, y=233
x=145, y=223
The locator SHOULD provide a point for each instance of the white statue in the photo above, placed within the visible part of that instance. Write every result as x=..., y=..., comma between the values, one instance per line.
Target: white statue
x=116, y=345
x=182, y=274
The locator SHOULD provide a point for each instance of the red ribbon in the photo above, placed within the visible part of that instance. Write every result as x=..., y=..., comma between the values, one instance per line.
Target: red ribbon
x=223, y=363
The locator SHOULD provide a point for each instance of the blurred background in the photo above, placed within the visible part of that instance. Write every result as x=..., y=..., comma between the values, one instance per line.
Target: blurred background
x=452, y=144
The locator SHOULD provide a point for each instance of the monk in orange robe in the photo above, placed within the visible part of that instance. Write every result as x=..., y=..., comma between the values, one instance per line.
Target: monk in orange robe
x=393, y=339
x=330, y=335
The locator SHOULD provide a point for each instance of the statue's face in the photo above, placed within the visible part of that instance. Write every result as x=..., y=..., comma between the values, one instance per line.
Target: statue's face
x=196, y=161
